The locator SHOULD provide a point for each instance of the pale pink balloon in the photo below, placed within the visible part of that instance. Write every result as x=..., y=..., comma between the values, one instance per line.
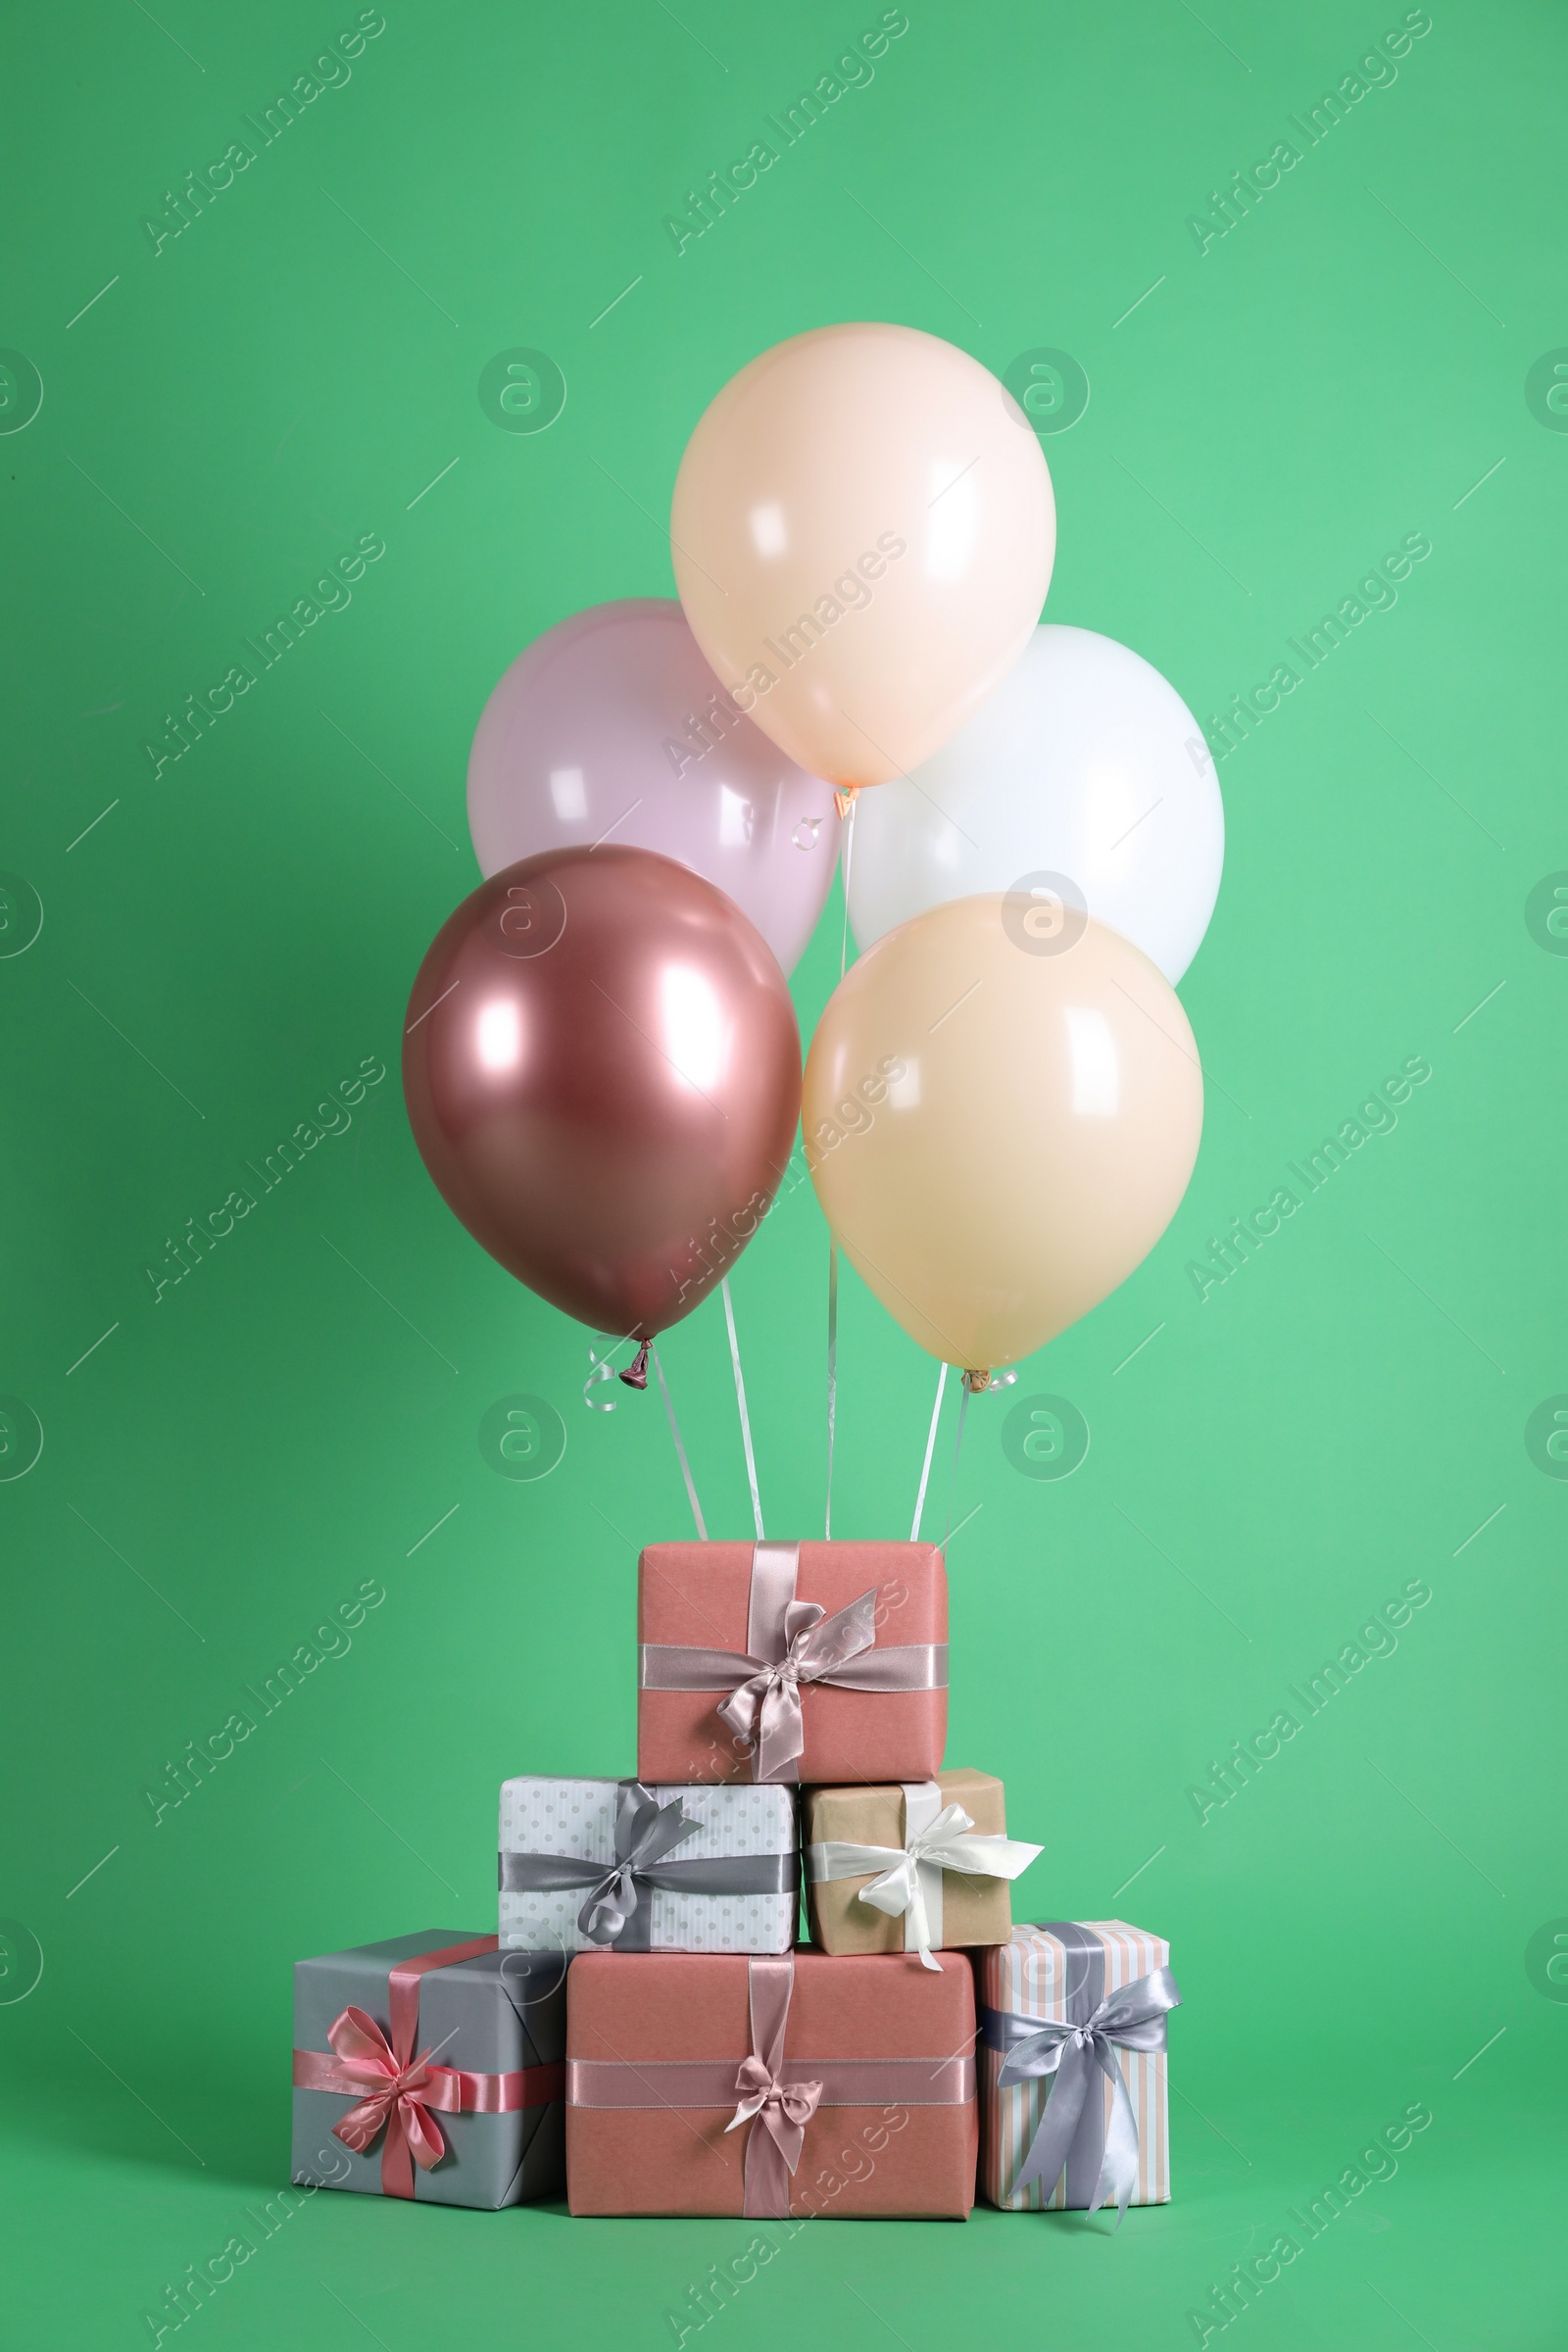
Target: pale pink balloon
x=613, y=727
x=862, y=534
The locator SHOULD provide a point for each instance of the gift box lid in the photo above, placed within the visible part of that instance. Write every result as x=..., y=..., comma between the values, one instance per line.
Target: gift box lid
x=698, y=1594
x=490, y=2014
x=576, y=1818
x=1045, y=1965
x=646, y=2006
x=863, y=1813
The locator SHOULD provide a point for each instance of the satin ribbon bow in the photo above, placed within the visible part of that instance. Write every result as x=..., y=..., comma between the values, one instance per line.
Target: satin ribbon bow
x=783, y=2108
x=951, y=1843
x=1133, y=2019
x=644, y=1833
x=766, y=1709
x=778, y=2111
x=400, y=2097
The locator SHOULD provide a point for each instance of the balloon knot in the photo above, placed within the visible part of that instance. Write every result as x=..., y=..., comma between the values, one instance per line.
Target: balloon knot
x=844, y=797
x=975, y=1382
x=635, y=1375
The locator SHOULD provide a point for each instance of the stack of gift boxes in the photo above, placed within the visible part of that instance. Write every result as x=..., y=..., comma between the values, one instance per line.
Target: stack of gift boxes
x=645, y=2030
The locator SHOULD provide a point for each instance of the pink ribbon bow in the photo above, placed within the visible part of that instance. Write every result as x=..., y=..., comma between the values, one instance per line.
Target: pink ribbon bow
x=785, y=2108
x=399, y=2100
x=766, y=1709
x=404, y=2088
x=779, y=2109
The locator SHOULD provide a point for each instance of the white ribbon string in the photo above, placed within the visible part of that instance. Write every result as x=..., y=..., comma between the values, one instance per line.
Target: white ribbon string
x=849, y=860
x=833, y=1248
x=680, y=1450
x=603, y=1369
x=957, y=1449
x=930, y=1449
x=832, y=1378
x=740, y=1398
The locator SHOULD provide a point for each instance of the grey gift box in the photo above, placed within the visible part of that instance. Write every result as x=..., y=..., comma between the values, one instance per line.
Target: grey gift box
x=492, y=2015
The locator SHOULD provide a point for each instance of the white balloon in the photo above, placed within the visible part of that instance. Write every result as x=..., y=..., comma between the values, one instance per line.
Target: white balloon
x=1084, y=764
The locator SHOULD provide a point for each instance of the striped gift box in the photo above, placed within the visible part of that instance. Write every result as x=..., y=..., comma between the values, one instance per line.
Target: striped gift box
x=1035, y=1975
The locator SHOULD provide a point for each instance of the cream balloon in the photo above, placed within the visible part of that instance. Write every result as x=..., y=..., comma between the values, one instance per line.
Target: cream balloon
x=862, y=534
x=999, y=1119
x=1087, y=775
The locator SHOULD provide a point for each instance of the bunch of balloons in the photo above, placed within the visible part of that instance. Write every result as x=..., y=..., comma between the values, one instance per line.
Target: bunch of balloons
x=1002, y=1098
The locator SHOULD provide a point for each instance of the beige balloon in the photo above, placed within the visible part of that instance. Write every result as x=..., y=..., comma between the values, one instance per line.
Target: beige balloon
x=1003, y=1106
x=863, y=529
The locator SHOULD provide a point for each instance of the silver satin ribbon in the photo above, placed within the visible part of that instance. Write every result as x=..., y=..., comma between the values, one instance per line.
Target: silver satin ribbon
x=1073, y=2135
x=936, y=1837
x=644, y=1833
x=789, y=1643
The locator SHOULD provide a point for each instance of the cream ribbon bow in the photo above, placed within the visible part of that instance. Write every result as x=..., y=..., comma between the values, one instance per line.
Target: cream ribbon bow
x=909, y=1881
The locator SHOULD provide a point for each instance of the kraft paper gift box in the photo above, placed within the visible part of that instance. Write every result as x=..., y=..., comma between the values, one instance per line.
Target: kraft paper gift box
x=905, y=1868
x=790, y=1662
x=478, y=2122
x=850, y=2085
x=1060, y=2003
x=661, y=1869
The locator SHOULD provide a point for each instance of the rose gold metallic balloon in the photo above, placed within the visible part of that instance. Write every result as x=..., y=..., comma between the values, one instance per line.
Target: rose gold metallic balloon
x=603, y=1072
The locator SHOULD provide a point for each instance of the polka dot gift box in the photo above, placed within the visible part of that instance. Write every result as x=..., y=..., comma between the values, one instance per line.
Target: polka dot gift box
x=622, y=1865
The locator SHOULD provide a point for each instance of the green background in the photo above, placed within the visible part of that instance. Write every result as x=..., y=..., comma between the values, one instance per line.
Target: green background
x=230, y=940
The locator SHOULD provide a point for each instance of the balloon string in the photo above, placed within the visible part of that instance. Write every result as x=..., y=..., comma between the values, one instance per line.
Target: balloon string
x=740, y=1398
x=680, y=1450
x=603, y=1369
x=832, y=1377
x=930, y=1449
x=849, y=861
x=832, y=1247
x=953, y=1480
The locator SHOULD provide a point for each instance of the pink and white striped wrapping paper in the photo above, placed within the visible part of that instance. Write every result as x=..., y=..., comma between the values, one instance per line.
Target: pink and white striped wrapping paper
x=1028, y=1975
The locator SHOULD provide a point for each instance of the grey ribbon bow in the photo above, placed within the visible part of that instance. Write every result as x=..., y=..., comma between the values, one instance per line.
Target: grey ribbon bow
x=767, y=1707
x=1073, y=2050
x=645, y=1831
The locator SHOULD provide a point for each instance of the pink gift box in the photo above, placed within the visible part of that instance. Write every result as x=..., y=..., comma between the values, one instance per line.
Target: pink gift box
x=850, y=2085
x=792, y=1662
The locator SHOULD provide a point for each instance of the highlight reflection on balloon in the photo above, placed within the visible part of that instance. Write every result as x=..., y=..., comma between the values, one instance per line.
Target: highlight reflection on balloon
x=601, y=1070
